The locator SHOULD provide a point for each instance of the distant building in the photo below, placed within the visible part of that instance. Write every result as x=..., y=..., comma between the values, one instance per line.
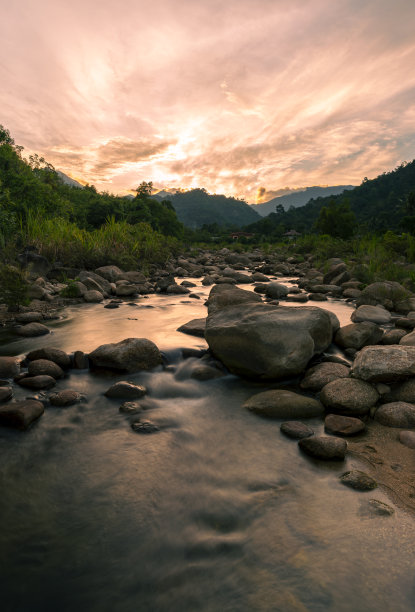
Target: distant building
x=291, y=234
x=237, y=235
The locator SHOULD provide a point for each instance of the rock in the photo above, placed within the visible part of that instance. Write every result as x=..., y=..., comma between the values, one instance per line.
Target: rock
x=258, y=277
x=336, y=270
x=375, y=314
x=405, y=323
x=36, y=292
x=319, y=375
x=32, y=329
x=407, y=438
x=402, y=392
x=379, y=508
x=222, y=296
x=358, y=335
x=300, y=299
x=393, y=336
x=65, y=398
x=389, y=294
x=43, y=381
x=125, y=290
x=322, y=447
x=110, y=273
x=349, y=396
x=332, y=289
x=276, y=291
x=51, y=354
x=205, y=372
x=125, y=390
x=44, y=366
x=265, y=342
x=396, y=414
x=175, y=289
x=144, y=427
x=351, y=293
x=135, y=277
x=112, y=305
x=317, y=297
x=343, y=425
x=20, y=415
x=80, y=360
x=6, y=393
x=195, y=327
x=9, y=367
x=384, y=363
x=29, y=317
x=239, y=277
x=130, y=407
x=408, y=339
x=296, y=430
x=131, y=355
x=281, y=404
x=358, y=480
x=92, y=296
x=103, y=284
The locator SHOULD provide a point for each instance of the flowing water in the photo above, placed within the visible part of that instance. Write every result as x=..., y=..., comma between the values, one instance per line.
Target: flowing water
x=215, y=512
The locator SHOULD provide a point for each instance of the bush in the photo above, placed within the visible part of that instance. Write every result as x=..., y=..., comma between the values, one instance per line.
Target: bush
x=13, y=287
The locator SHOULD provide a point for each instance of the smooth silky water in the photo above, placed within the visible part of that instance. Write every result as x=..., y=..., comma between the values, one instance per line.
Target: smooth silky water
x=215, y=512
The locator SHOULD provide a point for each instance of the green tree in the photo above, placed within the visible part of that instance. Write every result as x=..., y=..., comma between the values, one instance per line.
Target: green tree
x=336, y=220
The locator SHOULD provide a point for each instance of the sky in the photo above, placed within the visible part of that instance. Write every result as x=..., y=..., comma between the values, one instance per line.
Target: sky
x=249, y=98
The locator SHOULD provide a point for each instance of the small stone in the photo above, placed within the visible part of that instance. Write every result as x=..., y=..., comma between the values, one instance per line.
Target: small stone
x=65, y=398
x=358, y=480
x=144, y=427
x=296, y=430
x=130, y=407
x=322, y=447
x=380, y=508
x=124, y=389
x=343, y=425
x=195, y=327
x=111, y=305
x=205, y=372
x=44, y=367
x=407, y=438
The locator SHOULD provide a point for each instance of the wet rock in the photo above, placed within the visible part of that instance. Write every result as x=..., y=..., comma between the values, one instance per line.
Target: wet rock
x=408, y=339
x=175, y=289
x=331, y=289
x=378, y=508
x=93, y=296
x=59, y=357
x=393, y=336
x=9, y=367
x=321, y=374
x=32, y=330
x=358, y=480
x=349, y=396
x=20, y=415
x=358, y=335
x=144, y=427
x=336, y=270
x=407, y=438
x=65, y=398
x=29, y=317
x=300, y=298
x=276, y=291
x=112, y=305
x=351, y=293
x=266, y=342
x=296, y=430
x=343, y=425
x=195, y=327
x=396, y=414
x=80, y=360
x=281, y=404
x=258, y=277
x=222, y=296
x=389, y=294
x=205, y=372
x=239, y=277
x=104, y=286
x=375, y=314
x=125, y=390
x=322, y=447
x=44, y=366
x=317, y=297
x=130, y=407
x=401, y=392
x=6, y=393
x=125, y=290
x=384, y=363
x=43, y=381
x=131, y=355
x=407, y=323
x=110, y=273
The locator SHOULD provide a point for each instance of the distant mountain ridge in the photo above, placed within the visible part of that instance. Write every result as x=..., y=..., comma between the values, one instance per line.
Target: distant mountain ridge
x=67, y=180
x=298, y=198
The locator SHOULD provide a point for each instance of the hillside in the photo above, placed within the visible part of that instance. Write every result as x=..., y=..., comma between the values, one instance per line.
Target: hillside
x=196, y=208
x=379, y=204
x=298, y=198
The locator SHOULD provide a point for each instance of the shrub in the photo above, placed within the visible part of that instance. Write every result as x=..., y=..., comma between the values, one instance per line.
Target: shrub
x=13, y=287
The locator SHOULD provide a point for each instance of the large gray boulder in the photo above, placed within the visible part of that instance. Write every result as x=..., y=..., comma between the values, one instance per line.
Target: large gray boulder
x=384, y=363
x=222, y=296
x=281, y=404
x=195, y=327
x=266, y=342
x=129, y=355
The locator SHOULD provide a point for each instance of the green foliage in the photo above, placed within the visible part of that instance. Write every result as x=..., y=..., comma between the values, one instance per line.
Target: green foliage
x=71, y=290
x=336, y=220
x=13, y=287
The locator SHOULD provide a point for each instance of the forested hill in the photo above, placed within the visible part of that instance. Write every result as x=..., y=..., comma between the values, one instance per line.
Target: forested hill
x=298, y=198
x=379, y=204
x=196, y=208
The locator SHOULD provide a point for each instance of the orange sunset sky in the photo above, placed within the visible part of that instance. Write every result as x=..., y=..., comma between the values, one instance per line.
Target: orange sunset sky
x=238, y=96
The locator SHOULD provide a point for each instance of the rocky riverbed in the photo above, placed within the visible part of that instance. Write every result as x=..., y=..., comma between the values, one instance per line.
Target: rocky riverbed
x=339, y=388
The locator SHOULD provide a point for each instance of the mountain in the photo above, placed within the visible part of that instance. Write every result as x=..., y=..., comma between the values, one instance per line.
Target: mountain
x=67, y=180
x=196, y=208
x=379, y=204
x=298, y=198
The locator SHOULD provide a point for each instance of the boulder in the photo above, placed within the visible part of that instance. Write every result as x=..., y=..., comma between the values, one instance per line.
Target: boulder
x=407, y=438
x=258, y=277
x=281, y=404
x=322, y=447
x=195, y=327
x=65, y=398
x=384, y=363
x=296, y=430
x=393, y=336
x=276, y=291
x=349, y=396
x=375, y=314
x=396, y=414
x=267, y=342
x=205, y=372
x=43, y=381
x=39, y=367
x=401, y=392
x=223, y=296
x=343, y=425
x=358, y=335
x=389, y=294
x=110, y=273
x=6, y=394
x=125, y=390
x=336, y=271
x=103, y=284
x=125, y=290
x=20, y=415
x=80, y=360
x=130, y=355
x=32, y=330
x=29, y=317
x=358, y=480
x=321, y=374
x=92, y=296
x=9, y=367
x=408, y=339
x=52, y=354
